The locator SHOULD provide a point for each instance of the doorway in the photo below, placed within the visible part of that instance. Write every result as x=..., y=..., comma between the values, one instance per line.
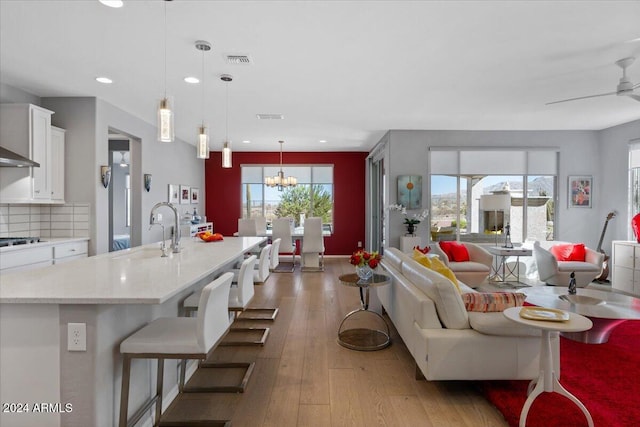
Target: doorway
x=124, y=192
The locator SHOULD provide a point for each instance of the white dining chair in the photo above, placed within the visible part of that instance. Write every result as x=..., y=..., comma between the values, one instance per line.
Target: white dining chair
x=313, y=245
x=261, y=225
x=178, y=338
x=282, y=231
x=247, y=227
x=274, y=259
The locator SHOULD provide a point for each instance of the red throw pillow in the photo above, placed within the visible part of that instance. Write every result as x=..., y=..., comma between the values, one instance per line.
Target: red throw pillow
x=569, y=252
x=424, y=250
x=455, y=251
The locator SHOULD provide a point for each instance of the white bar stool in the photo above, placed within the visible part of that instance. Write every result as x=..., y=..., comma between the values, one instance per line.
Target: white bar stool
x=176, y=338
x=239, y=298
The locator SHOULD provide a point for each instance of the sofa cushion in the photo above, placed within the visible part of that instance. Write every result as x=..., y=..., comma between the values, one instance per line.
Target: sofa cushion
x=577, y=266
x=469, y=266
x=569, y=252
x=436, y=265
x=492, y=301
x=442, y=291
x=393, y=257
x=455, y=251
x=496, y=324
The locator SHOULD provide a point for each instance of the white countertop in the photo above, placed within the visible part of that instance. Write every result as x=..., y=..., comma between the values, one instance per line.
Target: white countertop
x=46, y=241
x=133, y=276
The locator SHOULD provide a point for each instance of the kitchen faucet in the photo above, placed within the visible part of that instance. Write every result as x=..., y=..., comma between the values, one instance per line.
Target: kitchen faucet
x=175, y=238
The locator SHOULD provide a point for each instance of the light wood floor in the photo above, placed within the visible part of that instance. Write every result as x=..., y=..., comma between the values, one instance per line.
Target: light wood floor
x=302, y=377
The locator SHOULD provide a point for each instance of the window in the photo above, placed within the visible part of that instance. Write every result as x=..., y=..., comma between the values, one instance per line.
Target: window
x=475, y=194
x=313, y=196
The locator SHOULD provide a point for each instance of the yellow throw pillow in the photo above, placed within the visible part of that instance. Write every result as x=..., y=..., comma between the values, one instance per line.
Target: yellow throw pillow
x=434, y=263
x=421, y=258
x=439, y=267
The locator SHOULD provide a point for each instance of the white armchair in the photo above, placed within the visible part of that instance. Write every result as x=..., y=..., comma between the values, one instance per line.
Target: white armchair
x=557, y=273
x=473, y=272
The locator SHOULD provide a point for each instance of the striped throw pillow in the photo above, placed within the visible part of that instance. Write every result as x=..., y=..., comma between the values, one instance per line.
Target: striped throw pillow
x=492, y=301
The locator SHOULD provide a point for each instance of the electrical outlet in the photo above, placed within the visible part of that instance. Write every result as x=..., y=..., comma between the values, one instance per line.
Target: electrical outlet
x=159, y=217
x=359, y=244
x=77, y=336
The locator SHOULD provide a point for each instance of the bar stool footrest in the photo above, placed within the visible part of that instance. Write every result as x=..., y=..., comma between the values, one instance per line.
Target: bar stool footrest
x=196, y=423
x=231, y=340
x=239, y=388
x=258, y=314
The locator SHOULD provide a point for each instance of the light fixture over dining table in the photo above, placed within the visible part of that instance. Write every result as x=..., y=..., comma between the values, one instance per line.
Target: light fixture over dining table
x=279, y=180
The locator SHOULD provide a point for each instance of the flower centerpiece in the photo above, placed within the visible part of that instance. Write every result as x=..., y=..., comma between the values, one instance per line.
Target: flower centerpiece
x=410, y=221
x=365, y=262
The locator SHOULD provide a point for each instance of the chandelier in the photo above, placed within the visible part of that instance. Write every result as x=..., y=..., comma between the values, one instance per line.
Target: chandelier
x=279, y=180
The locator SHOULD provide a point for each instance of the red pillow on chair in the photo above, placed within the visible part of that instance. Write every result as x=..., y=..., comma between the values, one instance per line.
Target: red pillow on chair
x=455, y=251
x=569, y=252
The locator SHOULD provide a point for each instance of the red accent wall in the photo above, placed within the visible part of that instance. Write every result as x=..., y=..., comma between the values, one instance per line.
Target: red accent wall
x=223, y=205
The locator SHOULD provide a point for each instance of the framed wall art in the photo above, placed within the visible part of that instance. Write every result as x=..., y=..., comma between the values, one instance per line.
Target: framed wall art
x=174, y=194
x=185, y=195
x=580, y=191
x=410, y=191
x=195, y=195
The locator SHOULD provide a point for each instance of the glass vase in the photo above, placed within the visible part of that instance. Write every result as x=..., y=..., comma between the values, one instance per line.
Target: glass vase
x=364, y=273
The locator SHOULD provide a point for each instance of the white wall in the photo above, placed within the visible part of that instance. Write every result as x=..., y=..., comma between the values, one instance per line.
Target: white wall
x=579, y=155
x=13, y=95
x=613, y=160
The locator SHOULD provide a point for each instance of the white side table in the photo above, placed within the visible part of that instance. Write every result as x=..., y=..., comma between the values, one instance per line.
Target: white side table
x=547, y=379
x=407, y=243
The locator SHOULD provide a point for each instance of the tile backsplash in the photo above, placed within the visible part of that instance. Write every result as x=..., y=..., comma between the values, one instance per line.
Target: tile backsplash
x=68, y=220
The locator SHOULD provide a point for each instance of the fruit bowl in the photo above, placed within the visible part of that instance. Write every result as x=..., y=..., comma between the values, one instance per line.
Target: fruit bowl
x=208, y=236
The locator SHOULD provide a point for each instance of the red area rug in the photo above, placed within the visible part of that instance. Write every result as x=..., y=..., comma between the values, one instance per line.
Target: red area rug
x=604, y=377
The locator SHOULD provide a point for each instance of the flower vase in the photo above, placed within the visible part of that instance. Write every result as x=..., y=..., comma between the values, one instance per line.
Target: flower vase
x=411, y=229
x=364, y=272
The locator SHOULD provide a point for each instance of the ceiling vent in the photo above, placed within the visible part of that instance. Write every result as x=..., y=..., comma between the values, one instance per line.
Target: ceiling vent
x=238, y=59
x=270, y=116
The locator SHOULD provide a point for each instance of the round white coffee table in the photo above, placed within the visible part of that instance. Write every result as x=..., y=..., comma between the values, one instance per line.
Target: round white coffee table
x=547, y=378
x=605, y=309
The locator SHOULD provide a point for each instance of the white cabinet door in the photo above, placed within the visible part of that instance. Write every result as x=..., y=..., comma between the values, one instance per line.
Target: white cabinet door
x=67, y=251
x=57, y=164
x=41, y=152
x=26, y=130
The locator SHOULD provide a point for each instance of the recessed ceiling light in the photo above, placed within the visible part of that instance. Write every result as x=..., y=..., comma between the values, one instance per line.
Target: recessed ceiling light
x=246, y=142
x=105, y=80
x=323, y=141
x=192, y=80
x=112, y=3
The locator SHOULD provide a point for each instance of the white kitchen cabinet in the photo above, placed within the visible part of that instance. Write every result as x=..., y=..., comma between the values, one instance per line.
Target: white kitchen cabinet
x=26, y=129
x=625, y=259
x=57, y=164
x=31, y=256
x=27, y=257
x=65, y=252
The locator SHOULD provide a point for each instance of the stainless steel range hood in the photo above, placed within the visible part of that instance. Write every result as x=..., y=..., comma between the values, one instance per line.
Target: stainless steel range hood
x=13, y=160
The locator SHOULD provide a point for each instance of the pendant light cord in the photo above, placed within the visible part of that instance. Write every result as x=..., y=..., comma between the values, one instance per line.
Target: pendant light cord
x=165, y=49
x=202, y=87
x=227, y=116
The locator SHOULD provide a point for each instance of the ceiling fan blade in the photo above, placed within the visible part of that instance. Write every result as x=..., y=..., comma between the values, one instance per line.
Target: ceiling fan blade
x=581, y=97
x=636, y=97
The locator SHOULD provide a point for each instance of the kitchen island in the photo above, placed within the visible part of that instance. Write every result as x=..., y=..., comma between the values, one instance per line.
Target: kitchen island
x=113, y=294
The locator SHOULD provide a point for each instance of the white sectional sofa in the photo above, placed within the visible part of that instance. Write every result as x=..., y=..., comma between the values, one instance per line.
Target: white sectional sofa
x=446, y=341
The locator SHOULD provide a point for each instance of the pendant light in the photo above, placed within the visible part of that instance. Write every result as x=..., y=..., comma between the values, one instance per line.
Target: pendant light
x=226, y=148
x=202, y=144
x=279, y=180
x=166, y=128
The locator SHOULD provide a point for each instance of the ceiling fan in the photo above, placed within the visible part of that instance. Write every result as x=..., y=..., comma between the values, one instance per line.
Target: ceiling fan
x=624, y=88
